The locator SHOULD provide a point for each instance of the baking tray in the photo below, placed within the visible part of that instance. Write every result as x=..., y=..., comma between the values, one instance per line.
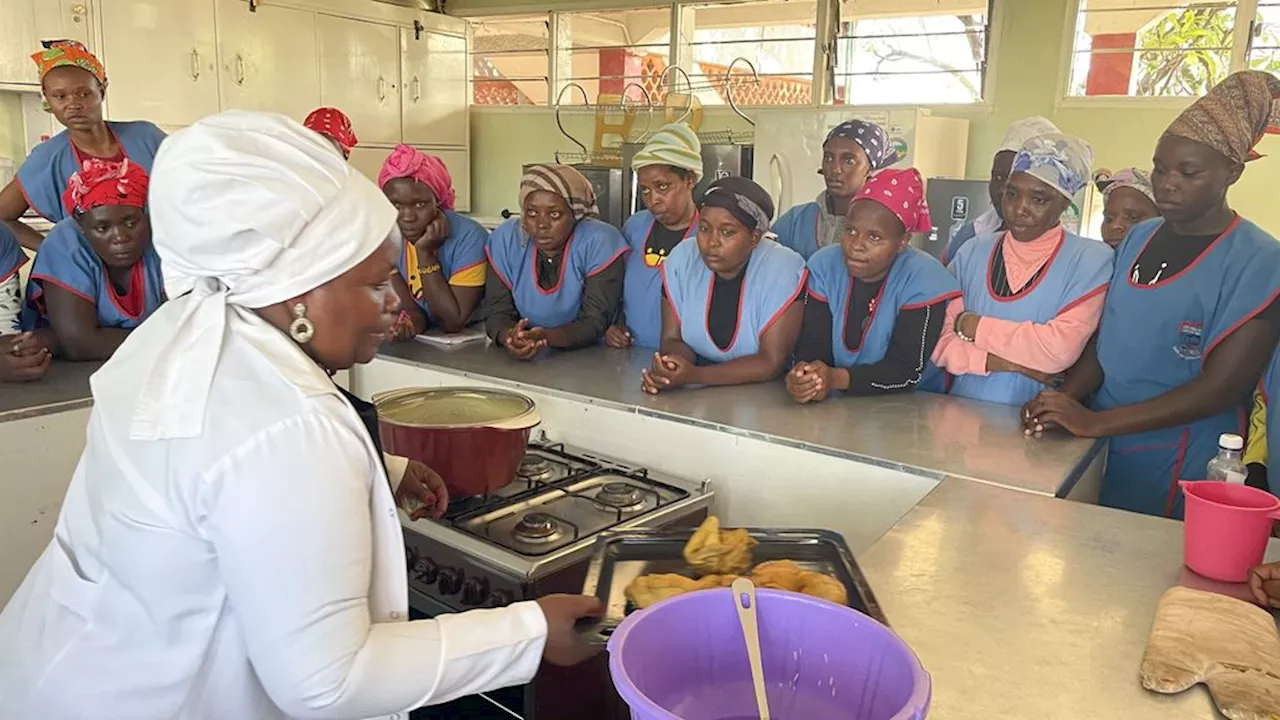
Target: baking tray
x=623, y=555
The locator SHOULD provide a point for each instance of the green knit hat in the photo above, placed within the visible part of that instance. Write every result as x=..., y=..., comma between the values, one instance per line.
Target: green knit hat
x=675, y=144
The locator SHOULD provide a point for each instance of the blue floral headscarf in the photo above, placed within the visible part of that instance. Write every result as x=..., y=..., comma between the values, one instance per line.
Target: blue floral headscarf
x=872, y=138
x=1061, y=161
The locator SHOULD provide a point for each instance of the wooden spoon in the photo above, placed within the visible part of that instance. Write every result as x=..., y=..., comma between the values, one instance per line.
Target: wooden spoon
x=744, y=598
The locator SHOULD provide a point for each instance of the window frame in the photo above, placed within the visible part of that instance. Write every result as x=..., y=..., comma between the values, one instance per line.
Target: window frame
x=1246, y=17
x=826, y=33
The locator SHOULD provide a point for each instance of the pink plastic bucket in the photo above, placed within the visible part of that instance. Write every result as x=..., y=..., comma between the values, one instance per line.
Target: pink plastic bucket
x=1227, y=528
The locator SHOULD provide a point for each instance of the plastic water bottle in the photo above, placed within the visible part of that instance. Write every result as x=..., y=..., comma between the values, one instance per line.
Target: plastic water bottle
x=1227, y=465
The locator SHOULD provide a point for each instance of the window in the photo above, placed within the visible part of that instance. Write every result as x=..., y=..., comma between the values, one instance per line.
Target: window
x=937, y=58
x=609, y=54
x=1264, y=41
x=510, y=61
x=1157, y=48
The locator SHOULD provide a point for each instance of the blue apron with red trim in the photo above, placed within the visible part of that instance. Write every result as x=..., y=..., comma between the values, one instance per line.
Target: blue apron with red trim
x=642, y=289
x=775, y=277
x=798, y=229
x=11, y=256
x=593, y=246
x=1270, y=388
x=1154, y=338
x=1076, y=269
x=915, y=280
x=43, y=177
x=66, y=259
x=463, y=249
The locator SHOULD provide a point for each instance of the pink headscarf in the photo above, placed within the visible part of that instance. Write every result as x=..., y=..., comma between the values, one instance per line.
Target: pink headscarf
x=406, y=162
x=902, y=191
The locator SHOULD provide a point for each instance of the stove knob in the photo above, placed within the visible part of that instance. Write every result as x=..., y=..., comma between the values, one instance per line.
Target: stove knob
x=499, y=598
x=425, y=571
x=410, y=558
x=450, y=581
x=474, y=591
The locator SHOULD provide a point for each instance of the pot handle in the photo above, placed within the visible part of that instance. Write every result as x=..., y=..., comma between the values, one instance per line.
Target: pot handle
x=377, y=398
x=520, y=422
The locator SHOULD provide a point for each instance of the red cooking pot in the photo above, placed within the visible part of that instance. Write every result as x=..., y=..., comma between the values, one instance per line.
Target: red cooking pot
x=474, y=437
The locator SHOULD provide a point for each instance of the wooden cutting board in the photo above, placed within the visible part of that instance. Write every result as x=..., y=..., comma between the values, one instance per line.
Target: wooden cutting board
x=1229, y=645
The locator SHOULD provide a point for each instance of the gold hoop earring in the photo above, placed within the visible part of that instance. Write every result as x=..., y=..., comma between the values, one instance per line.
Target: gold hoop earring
x=301, y=329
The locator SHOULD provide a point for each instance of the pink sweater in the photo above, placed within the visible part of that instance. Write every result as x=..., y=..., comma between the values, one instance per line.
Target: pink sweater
x=1050, y=347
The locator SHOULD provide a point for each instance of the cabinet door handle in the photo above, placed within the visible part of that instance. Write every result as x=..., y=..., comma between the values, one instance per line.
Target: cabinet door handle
x=417, y=88
x=382, y=89
x=239, y=69
x=195, y=64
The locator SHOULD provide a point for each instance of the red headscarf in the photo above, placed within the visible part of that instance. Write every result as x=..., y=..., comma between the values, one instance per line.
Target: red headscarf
x=429, y=170
x=335, y=125
x=57, y=53
x=102, y=182
x=902, y=192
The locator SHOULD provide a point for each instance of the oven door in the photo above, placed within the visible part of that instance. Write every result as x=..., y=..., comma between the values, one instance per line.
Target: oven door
x=503, y=704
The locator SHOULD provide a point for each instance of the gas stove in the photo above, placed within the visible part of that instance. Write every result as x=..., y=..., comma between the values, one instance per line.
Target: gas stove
x=491, y=550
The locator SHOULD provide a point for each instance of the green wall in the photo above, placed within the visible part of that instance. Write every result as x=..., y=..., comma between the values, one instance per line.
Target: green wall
x=1026, y=68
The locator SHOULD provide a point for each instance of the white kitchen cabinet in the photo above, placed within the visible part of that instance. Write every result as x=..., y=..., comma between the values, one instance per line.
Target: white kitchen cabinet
x=267, y=58
x=24, y=23
x=360, y=75
x=368, y=160
x=170, y=79
x=436, y=94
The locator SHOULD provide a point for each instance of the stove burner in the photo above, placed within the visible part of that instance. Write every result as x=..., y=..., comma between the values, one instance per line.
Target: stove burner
x=534, y=467
x=619, y=496
x=537, y=527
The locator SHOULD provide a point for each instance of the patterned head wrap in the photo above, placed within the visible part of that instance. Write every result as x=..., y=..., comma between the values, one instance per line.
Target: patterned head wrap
x=1020, y=131
x=744, y=199
x=565, y=181
x=902, y=192
x=676, y=145
x=872, y=138
x=1234, y=115
x=1060, y=161
x=406, y=162
x=60, y=53
x=335, y=125
x=102, y=182
x=1134, y=178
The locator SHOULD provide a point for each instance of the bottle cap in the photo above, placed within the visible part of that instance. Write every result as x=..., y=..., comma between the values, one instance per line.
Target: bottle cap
x=1230, y=441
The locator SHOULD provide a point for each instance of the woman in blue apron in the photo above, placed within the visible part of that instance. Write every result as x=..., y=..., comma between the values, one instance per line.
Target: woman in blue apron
x=74, y=84
x=1128, y=200
x=23, y=357
x=97, y=276
x=667, y=169
x=1001, y=165
x=731, y=315
x=874, y=306
x=1032, y=294
x=442, y=263
x=557, y=270
x=852, y=151
x=1190, y=320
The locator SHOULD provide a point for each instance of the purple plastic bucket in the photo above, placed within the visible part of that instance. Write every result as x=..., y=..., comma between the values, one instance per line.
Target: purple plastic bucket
x=685, y=659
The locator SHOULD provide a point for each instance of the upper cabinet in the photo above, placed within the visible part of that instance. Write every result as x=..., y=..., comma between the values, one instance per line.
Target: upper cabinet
x=360, y=75
x=435, y=87
x=172, y=78
x=267, y=58
x=24, y=23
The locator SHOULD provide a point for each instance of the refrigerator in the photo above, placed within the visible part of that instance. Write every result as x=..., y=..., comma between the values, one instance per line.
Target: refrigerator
x=952, y=203
x=788, y=146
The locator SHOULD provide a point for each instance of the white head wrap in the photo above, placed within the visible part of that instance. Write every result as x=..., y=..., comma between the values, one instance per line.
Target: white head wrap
x=1023, y=130
x=247, y=210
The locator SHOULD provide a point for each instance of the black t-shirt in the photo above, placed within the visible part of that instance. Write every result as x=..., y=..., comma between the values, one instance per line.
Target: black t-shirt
x=861, y=305
x=1167, y=254
x=725, y=312
x=661, y=241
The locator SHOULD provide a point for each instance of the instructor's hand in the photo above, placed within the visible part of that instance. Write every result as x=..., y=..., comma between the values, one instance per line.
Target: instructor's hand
x=564, y=645
x=422, y=492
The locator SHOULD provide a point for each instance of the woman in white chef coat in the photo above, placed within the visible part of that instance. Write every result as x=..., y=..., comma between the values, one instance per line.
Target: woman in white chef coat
x=229, y=546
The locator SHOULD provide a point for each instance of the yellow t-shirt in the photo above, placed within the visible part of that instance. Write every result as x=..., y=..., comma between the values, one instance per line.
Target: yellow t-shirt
x=1255, y=447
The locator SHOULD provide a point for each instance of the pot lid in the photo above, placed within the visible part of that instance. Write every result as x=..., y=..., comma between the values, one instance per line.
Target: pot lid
x=452, y=407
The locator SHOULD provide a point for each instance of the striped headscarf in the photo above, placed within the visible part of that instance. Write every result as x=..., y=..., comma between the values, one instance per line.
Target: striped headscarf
x=675, y=144
x=872, y=138
x=1234, y=115
x=565, y=181
x=103, y=182
x=68, y=53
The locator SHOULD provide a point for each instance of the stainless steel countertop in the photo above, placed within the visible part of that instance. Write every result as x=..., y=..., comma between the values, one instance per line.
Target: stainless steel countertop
x=925, y=433
x=1031, y=607
x=64, y=387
